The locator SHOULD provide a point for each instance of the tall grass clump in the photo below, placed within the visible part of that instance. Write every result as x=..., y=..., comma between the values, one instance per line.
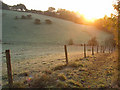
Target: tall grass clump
x=59, y=67
x=40, y=82
x=70, y=42
x=16, y=17
x=23, y=17
x=29, y=16
x=48, y=21
x=37, y=21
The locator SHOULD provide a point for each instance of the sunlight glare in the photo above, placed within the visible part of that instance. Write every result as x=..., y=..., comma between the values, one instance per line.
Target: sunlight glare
x=91, y=9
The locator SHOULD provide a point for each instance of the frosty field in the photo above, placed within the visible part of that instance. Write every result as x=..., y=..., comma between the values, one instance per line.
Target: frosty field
x=44, y=43
x=26, y=40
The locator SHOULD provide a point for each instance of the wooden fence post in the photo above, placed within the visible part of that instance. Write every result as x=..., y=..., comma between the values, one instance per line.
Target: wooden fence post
x=97, y=48
x=92, y=50
x=103, y=49
x=84, y=51
x=109, y=49
x=9, y=69
x=65, y=47
x=112, y=49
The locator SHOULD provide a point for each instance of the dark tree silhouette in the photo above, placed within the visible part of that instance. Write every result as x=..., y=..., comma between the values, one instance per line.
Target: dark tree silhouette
x=4, y=6
x=21, y=7
x=51, y=9
x=93, y=41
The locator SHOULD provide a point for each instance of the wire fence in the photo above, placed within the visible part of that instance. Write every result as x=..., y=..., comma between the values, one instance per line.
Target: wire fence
x=85, y=50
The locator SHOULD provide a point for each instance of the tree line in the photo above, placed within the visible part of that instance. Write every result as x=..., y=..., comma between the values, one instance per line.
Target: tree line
x=110, y=24
x=60, y=13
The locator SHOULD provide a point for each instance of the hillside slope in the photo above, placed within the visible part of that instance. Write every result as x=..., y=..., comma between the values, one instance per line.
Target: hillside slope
x=59, y=32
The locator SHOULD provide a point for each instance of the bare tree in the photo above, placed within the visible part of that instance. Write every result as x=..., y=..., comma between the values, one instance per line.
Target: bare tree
x=93, y=42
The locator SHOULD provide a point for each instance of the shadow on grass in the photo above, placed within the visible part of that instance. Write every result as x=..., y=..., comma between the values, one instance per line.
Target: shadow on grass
x=59, y=67
x=71, y=64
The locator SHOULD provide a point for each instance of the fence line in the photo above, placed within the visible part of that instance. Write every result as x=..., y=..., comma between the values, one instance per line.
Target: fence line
x=9, y=68
x=101, y=49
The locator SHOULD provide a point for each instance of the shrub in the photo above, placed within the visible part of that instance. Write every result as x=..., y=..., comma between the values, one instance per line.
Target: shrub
x=40, y=82
x=16, y=17
x=29, y=16
x=109, y=42
x=37, y=21
x=48, y=21
x=70, y=42
x=23, y=17
x=93, y=42
x=81, y=44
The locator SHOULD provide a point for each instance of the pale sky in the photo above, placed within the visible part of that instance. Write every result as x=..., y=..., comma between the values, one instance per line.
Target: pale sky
x=89, y=8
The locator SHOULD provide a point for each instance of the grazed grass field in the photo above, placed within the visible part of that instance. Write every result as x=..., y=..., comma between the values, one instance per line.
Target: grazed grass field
x=22, y=31
x=27, y=40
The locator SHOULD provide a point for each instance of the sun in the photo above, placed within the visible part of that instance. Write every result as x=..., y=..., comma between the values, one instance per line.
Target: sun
x=95, y=9
x=92, y=14
x=89, y=18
